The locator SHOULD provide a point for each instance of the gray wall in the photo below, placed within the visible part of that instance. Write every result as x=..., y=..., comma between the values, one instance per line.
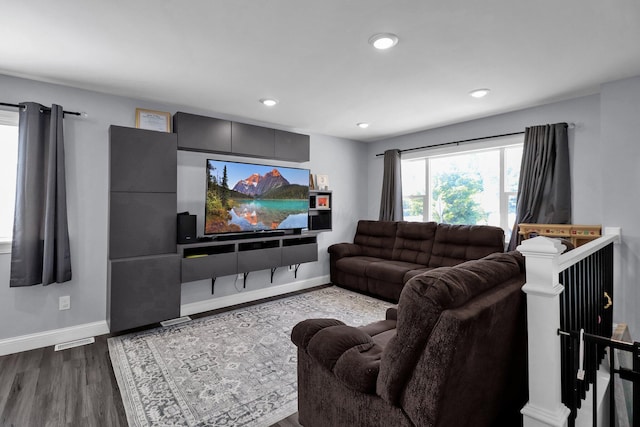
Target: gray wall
x=619, y=157
x=35, y=309
x=605, y=165
x=584, y=142
x=604, y=175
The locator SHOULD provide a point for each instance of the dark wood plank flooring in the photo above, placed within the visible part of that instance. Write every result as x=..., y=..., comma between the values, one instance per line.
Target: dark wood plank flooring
x=69, y=388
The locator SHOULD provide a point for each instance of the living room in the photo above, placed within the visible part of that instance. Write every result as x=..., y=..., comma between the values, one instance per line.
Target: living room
x=603, y=151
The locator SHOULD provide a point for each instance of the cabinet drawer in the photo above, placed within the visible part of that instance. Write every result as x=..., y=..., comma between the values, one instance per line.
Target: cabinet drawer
x=299, y=254
x=209, y=266
x=259, y=259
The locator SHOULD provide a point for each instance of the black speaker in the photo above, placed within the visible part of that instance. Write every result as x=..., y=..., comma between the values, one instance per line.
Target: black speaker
x=186, y=229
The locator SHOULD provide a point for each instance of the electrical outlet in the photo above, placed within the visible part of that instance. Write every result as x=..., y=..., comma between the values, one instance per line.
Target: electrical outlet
x=64, y=303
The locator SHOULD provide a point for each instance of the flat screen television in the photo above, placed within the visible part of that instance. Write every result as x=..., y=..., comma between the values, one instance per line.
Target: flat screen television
x=247, y=197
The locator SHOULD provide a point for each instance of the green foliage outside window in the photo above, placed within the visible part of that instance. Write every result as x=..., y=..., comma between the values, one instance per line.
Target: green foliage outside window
x=453, y=199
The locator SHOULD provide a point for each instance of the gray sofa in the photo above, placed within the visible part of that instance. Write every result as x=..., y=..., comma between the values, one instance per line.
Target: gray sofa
x=384, y=255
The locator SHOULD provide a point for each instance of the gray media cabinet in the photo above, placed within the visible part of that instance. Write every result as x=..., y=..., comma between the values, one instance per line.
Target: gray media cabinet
x=146, y=267
x=209, y=260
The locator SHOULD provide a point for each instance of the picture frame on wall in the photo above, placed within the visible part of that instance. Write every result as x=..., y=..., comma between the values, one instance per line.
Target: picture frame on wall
x=322, y=182
x=153, y=120
x=322, y=202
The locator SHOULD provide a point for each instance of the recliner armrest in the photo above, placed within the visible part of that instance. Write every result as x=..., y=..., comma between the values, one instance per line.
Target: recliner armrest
x=392, y=313
x=348, y=352
x=341, y=250
x=307, y=329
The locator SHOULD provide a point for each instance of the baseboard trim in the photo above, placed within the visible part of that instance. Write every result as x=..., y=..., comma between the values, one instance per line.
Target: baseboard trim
x=53, y=337
x=229, y=300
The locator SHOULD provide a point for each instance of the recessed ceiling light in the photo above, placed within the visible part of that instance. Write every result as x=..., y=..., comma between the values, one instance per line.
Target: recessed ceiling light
x=363, y=125
x=269, y=102
x=479, y=93
x=383, y=40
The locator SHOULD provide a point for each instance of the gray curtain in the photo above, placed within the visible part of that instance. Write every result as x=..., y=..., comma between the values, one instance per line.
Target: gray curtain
x=544, y=189
x=391, y=201
x=40, y=249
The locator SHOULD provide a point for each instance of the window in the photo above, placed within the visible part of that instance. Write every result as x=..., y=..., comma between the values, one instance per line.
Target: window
x=8, y=164
x=472, y=186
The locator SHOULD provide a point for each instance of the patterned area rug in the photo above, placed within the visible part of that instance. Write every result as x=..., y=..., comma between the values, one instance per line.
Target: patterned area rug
x=236, y=368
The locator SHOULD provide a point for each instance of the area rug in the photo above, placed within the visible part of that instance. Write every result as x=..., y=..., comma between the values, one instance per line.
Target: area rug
x=236, y=368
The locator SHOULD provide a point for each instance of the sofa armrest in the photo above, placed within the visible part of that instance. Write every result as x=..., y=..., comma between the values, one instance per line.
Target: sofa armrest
x=341, y=250
x=350, y=353
x=392, y=313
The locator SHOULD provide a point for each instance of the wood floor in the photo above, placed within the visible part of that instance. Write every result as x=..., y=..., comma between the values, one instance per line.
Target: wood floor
x=74, y=387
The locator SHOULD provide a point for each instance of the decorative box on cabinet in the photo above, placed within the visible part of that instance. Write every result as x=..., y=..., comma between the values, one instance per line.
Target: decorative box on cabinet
x=320, y=203
x=578, y=235
x=200, y=133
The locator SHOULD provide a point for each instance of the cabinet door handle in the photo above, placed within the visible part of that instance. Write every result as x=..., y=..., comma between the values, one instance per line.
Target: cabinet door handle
x=609, y=302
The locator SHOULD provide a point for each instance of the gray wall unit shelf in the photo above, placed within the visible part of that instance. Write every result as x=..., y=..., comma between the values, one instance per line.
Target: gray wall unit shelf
x=209, y=260
x=320, y=204
x=142, y=224
x=208, y=134
x=144, y=267
x=143, y=290
x=254, y=141
x=291, y=146
x=142, y=161
x=200, y=133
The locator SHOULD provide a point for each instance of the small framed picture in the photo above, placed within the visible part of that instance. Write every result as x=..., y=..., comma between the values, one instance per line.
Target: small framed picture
x=322, y=182
x=153, y=120
x=322, y=202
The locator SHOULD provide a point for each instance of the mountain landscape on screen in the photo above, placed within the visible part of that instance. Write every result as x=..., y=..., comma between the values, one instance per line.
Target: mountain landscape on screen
x=262, y=198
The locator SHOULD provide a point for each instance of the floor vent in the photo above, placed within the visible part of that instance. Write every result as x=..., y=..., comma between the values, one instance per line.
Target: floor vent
x=76, y=343
x=177, y=321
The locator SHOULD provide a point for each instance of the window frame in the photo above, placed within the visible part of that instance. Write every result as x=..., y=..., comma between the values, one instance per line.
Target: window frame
x=7, y=118
x=501, y=143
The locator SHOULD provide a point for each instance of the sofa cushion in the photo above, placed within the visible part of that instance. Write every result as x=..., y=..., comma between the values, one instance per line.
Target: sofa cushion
x=376, y=238
x=454, y=244
x=375, y=328
x=356, y=264
x=414, y=241
x=412, y=273
x=422, y=301
x=390, y=271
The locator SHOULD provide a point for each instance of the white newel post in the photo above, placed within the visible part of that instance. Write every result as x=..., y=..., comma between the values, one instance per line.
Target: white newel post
x=543, y=289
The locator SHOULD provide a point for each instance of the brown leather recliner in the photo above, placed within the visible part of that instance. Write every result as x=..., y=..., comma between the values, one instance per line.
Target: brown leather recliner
x=452, y=354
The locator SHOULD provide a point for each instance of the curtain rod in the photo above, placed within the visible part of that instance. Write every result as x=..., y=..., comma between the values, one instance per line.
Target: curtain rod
x=570, y=125
x=455, y=142
x=73, y=113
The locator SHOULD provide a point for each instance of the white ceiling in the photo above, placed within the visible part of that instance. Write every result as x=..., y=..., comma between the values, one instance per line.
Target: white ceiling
x=313, y=56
